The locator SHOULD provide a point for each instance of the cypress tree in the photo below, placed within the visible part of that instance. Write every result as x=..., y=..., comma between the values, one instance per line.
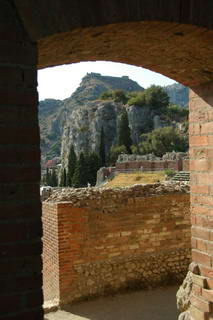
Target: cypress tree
x=102, y=153
x=124, y=137
x=72, y=160
x=93, y=166
x=63, y=182
x=54, y=178
x=79, y=179
x=47, y=177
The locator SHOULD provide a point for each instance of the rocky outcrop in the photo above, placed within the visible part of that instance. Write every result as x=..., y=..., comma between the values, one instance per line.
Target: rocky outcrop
x=178, y=94
x=78, y=120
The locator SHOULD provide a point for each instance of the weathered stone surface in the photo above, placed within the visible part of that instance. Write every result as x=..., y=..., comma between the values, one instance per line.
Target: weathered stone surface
x=183, y=294
x=84, y=197
x=185, y=316
x=194, y=268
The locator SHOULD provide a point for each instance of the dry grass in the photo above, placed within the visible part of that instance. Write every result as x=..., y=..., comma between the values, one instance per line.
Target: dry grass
x=128, y=179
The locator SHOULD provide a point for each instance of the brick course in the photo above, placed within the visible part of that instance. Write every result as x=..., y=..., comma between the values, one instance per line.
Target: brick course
x=114, y=242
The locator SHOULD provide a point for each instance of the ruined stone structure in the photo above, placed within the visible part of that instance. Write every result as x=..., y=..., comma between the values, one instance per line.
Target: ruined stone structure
x=100, y=241
x=174, y=161
x=170, y=37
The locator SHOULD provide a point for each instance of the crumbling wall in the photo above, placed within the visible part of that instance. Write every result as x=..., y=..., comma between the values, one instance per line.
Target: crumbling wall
x=116, y=239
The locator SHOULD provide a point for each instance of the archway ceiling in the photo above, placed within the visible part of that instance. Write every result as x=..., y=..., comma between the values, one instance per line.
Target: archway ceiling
x=70, y=31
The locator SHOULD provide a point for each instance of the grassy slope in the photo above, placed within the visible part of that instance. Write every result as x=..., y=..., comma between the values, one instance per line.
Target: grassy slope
x=128, y=179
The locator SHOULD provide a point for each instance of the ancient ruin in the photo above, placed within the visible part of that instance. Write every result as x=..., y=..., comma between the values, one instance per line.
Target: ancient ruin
x=101, y=241
x=170, y=37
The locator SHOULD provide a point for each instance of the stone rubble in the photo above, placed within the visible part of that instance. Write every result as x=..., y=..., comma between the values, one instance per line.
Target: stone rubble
x=84, y=197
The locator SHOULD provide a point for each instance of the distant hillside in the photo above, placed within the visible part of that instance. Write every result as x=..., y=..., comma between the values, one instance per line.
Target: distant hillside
x=178, y=94
x=93, y=84
x=78, y=120
x=54, y=113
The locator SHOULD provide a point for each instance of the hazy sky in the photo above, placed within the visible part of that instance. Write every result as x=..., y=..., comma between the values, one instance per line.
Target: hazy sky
x=60, y=82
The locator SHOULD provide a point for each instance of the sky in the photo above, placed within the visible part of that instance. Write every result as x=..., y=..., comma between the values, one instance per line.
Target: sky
x=61, y=81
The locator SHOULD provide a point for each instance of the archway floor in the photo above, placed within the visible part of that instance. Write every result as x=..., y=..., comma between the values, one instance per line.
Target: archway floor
x=158, y=304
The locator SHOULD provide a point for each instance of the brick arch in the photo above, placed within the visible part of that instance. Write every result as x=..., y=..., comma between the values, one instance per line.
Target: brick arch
x=178, y=51
x=26, y=24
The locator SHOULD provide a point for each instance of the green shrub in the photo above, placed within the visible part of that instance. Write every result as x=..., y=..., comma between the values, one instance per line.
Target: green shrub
x=169, y=172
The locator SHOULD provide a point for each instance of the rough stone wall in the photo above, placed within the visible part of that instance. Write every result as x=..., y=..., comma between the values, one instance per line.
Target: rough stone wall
x=116, y=239
x=50, y=255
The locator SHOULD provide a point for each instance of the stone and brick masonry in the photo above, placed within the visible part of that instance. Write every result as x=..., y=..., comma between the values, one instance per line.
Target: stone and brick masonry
x=99, y=241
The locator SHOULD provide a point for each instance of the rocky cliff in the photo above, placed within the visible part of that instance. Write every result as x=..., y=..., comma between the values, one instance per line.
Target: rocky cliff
x=78, y=120
x=74, y=119
x=178, y=94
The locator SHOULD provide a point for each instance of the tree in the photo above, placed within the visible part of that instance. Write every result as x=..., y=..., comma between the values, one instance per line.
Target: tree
x=119, y=95
x=124, y=137
x=102, y=152
x=163, y=140
x=79, y=179
x=156, y=97
x=114, y=153
x=47, y=177
x=63, y=182
x=137, y=99
x=72, y=160
x=93, y=164
x=54, y=178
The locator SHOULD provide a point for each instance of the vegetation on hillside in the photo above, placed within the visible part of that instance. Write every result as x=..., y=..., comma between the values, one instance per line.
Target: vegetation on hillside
x=162, y=140
x=81, y=168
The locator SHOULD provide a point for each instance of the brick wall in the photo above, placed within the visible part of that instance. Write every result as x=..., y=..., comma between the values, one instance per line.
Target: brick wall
x=201, y=154
x=151, y=165
x=50, y=255
x=123, y=240
x=20, y=210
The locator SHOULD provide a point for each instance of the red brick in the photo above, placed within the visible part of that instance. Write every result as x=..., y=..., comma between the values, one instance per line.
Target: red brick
x=197, y=314
x=198, y=141
x=199, y=189
x=197, y=290
x=207, y=294
x=209, y=283
x=205, y=200
x=201, y=245
x=207, y=272
x=202, y=258
x=199, y=165
x=200, y=210
x=200, y=304
x=200, y=233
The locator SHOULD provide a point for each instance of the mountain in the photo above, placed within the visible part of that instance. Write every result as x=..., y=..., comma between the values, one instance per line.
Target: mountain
x=55, y=116
x=78, y=120
x=178, y=94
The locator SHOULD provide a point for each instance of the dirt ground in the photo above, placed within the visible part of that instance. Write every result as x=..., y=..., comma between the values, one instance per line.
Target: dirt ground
x=158, y=304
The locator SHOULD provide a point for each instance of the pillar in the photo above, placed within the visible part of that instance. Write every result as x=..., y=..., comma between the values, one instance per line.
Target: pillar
x=20, y=211
x=201, y=166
